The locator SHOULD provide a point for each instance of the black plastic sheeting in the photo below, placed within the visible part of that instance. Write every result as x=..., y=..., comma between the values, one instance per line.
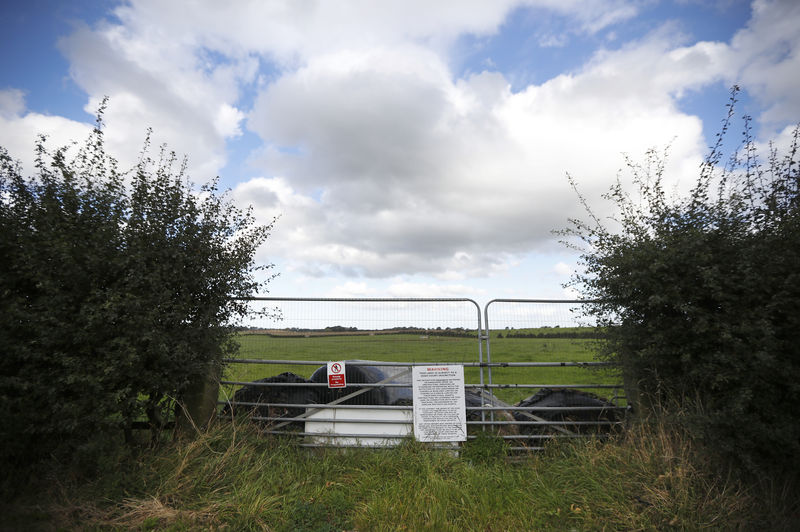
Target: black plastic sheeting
x=568, y=397
x=301, y=395
x=360, y=372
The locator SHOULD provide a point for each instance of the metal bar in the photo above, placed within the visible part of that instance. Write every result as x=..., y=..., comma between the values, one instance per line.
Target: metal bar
x=331, y=420
x=525, y=413
x=404, y=407
x=575, y=301
x=469, y=386
x=320, y=405
x=339, y=434
x=408, y=385
x=398, y=422
x=488, y=351
x=551, y=408
x=465, y=364
x=549, y=386
x=532, y=436
x=544, y=423
x=544, y=364
x=377, y=447
x=543, y=436
x=319, y=384
x=363, y=299
x=538, y=423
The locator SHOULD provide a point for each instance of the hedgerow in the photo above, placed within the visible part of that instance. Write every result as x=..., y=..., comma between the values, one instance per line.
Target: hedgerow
x=700, y=297
x=117, y=291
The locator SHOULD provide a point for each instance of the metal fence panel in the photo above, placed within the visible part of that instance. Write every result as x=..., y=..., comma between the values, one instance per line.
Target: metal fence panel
x=522, y=370
x=554, y=338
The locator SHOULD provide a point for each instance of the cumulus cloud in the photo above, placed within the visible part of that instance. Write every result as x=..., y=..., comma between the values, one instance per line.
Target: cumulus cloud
x=159, y=80
x=378, y=157
x=20, y=128
x=405, y=289
x=766, y=60
x=437, y=290
x=352, y=289
x=12, y=103
x=291, y=32
x=422, y=173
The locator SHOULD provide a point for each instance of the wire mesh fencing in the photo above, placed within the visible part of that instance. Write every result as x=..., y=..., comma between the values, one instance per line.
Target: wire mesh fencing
x=528, y=368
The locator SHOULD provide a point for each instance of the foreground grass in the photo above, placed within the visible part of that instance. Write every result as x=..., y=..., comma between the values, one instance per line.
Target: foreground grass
x=232, y=478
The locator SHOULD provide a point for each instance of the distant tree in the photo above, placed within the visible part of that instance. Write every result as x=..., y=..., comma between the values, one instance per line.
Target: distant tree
x=117, y=290
x=700, y=296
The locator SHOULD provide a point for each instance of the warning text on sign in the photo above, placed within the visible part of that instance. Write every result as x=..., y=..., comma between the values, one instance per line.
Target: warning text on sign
x=439, y=410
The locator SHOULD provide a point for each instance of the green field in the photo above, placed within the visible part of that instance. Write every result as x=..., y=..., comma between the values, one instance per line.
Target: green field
x=432, y=348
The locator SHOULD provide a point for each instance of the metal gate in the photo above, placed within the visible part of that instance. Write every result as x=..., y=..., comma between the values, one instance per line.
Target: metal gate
x=529, y=373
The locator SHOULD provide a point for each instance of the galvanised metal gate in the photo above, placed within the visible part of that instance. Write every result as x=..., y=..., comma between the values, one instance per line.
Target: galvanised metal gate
x=526, y=374
x=544, y=346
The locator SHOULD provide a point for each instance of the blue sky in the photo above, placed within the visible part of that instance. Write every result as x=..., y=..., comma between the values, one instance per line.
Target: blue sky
x=411, y=149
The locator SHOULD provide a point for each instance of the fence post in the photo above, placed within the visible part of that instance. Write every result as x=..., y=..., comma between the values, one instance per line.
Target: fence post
x=198, y=406
x=634, y=396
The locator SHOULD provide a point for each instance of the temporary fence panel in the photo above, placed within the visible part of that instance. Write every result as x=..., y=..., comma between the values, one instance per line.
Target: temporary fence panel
x=540, y=359
x=288, y=341
x=527, y=373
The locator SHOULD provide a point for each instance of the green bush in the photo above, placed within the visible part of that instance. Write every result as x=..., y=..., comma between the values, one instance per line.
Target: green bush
x=116, y=293
x=701, y=297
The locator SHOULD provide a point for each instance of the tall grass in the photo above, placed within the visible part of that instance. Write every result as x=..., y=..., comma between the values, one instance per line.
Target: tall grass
x=230, y=476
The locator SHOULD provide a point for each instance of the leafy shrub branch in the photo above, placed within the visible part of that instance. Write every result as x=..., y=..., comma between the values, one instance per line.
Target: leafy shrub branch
x=700, y=295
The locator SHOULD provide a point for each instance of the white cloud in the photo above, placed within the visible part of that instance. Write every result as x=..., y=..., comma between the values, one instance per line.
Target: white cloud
x=19, y=129
x=379, y=159
x=563, y=269
x=432, y=290
x=158, y=79
x=592, y=16
x=290, y=32
x=12, y=103
x=766, y=60
x=423, y=173
x=352, y=289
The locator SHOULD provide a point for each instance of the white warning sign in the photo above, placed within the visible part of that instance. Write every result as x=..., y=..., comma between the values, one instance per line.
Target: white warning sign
x=439, y=410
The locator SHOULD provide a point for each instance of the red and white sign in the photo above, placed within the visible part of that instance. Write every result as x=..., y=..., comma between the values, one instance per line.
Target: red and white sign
x=336, y=375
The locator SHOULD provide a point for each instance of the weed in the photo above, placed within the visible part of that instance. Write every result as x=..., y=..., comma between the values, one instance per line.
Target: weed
x=486, y=447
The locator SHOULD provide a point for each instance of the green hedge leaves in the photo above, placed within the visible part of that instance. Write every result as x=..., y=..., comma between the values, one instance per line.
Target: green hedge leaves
x=700, y=296
x=116, y=292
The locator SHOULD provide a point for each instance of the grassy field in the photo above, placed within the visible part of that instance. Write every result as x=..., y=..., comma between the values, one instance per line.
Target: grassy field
x=431, y=348
x=232, y=478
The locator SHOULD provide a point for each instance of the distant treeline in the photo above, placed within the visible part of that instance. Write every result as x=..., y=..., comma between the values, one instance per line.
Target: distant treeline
x=589, y=334
x=338, y=330
x=458, y=332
